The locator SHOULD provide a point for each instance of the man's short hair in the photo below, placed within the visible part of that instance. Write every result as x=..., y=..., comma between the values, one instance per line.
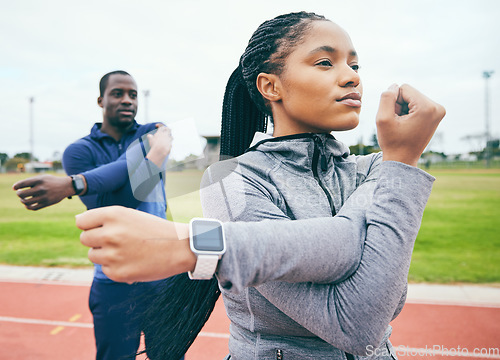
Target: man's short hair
x=104, y=80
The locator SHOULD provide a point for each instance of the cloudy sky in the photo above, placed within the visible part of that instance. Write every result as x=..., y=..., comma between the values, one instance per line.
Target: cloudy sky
x=184, y=51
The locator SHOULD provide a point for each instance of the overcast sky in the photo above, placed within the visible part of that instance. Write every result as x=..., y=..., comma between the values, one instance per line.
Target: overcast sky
x=184, y=51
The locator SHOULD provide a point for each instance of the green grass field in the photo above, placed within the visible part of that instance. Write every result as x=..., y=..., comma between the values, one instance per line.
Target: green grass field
x=46, y=237
x=458, y=240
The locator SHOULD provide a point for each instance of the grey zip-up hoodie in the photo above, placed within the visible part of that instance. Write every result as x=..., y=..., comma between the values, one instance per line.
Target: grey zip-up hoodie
x=327, y=284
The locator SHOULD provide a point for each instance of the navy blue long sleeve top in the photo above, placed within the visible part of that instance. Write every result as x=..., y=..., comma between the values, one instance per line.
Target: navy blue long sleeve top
x=117, y=172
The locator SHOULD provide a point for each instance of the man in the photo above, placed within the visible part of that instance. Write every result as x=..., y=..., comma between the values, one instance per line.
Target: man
x=119, y=163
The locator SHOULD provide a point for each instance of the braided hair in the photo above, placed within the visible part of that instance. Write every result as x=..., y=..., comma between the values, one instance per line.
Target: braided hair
x=244, y=110
x=179, y=312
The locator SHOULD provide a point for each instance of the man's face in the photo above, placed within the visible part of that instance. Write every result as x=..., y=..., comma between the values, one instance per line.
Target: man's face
x=119, y=102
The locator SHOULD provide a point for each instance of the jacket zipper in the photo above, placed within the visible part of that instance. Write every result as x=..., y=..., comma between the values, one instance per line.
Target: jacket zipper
x=324, y=167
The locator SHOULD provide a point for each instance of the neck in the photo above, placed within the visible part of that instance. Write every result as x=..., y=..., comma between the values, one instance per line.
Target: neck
x=286, y=129
x=279, y=131
x=284, y=125
x=115, y=132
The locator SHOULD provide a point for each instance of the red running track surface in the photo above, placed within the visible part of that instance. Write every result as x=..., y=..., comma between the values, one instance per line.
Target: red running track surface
x=51, y=320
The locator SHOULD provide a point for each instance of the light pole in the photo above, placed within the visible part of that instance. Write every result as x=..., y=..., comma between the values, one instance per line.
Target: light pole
x=486, y=76
x=146, y=96
x=32, y=140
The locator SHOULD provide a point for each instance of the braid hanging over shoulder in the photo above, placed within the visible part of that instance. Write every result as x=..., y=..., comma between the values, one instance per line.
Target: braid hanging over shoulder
x=240, y=117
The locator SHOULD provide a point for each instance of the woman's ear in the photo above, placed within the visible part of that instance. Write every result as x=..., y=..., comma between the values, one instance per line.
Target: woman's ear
x=269, y=86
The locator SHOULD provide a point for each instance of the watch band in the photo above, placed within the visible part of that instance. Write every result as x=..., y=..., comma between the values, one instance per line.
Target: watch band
x=205, y=267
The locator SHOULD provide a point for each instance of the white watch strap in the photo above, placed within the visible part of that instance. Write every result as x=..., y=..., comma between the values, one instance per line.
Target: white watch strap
x=205, y=267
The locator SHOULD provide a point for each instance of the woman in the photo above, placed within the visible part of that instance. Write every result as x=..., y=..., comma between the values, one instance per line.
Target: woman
x=318, y=242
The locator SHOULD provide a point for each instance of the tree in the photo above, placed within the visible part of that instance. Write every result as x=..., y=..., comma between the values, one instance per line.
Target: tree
x=25, y=155
x=491, y=150
x=361, y=149
x=57, y=165
x=3, y=158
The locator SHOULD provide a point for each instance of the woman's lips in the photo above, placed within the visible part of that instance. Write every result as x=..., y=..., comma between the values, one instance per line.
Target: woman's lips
x=352, y=99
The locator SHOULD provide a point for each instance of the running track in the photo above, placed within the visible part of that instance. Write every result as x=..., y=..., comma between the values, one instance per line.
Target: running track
x=42, y=320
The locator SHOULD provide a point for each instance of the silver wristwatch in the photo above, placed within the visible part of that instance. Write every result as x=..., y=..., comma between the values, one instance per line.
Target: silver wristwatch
x=207, y=242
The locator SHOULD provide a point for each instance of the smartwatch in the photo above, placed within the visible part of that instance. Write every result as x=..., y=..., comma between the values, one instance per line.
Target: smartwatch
x=207, y=242
x=78, y=184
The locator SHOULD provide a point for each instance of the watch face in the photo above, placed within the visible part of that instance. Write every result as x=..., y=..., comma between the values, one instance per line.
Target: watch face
x=207, y=235
x=78, y=184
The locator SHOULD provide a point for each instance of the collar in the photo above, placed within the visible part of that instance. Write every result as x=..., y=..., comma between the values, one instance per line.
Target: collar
x=97, y=134
x=326, y=143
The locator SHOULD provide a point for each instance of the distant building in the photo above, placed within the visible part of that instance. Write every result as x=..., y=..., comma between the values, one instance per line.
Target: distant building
x=38, y=167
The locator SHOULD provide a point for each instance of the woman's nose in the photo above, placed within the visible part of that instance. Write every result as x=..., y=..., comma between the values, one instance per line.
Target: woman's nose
x=349, y=77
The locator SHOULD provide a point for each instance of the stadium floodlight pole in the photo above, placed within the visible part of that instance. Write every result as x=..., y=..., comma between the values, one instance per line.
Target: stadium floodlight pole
x=487, y=153
x=361, y=146
x=32, y=140
x=146, y=96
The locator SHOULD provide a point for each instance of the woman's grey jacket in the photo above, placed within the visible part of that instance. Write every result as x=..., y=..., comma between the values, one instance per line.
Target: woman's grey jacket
x=327, y=284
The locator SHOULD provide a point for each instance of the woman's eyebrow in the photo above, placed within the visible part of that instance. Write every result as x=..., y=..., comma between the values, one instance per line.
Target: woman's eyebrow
x=330, y=49
x=325, y=48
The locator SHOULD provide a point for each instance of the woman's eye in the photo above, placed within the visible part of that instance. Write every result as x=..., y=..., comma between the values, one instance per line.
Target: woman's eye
x=324, y=63
x=355, y=67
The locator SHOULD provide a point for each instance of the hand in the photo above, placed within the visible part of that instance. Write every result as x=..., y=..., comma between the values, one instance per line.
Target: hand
x=44, y=190
x=406, y=121
x=132, y=245
x=160, y=145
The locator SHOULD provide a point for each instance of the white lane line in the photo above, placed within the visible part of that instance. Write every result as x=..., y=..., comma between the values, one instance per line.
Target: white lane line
x=214, y=335
x=45, y=322
x=86, y=325
x=47, y=282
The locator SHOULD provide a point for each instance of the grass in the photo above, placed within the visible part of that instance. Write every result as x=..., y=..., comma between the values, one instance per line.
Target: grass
x=47, y=237
x=458, y=240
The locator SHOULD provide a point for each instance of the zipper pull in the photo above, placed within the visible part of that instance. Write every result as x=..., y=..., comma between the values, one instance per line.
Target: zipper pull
x=279, y=354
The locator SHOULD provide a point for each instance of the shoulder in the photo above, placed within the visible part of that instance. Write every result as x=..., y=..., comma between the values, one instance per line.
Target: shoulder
x=81, y=144
x=79, y=154
x=252, y=164
x=145, y=128
x=149, y=126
